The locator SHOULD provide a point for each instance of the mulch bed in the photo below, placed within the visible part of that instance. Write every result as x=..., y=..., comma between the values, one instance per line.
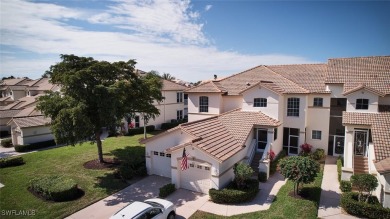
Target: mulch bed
x=96, y=165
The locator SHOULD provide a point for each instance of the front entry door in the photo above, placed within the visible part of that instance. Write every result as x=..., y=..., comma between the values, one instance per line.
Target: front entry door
x=261, y=139
x=293, y=144
x=361, y=142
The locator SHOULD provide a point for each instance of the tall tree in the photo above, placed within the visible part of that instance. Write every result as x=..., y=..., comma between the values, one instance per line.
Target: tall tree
x=95, y=94
x=168, y=77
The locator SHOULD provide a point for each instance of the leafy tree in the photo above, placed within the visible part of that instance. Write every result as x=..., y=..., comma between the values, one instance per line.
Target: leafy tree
x=46, y=74
x=168, y=77
x=242, y=172
x=95, y=94
x=299, y=170
x=10, y=77
x=365, y=183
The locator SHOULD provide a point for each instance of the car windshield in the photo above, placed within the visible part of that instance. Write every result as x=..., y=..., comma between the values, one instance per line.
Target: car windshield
x=155, y=204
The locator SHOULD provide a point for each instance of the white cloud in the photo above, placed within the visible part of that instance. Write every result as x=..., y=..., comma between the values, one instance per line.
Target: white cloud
x=42, y=28
x=208, y=7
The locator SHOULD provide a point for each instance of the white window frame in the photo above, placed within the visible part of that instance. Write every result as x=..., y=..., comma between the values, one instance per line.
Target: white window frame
x=203, y=104
x=362, y=104
x=260, y=102
x=316, y=134
x=179, y=97
x=179, y=114
x=293, y=104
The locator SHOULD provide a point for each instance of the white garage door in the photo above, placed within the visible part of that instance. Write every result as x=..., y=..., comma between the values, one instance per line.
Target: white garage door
x=196, y=178
x=161, y=164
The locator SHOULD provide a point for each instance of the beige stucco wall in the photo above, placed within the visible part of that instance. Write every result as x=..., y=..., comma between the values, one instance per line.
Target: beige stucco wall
x=372, y=101
x=336, y=90
x=231, y=103
x=272, y=108
x=215, y=106
x=318, y=119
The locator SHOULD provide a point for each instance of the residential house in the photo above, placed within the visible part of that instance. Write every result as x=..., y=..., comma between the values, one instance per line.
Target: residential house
x=274, y=108
x=172, y=107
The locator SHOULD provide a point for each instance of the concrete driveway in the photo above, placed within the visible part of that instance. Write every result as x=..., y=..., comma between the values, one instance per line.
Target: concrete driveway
x=187, y=202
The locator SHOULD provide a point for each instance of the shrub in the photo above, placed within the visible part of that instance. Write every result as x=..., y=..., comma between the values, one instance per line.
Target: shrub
x=349, y=202
x=299, y=170
x=56, y=188
x=131, y=166
x=305, y=149
x=166, y=126
x=231, y=194
x=345, y=186
x=11, y=162
x=34, y=146
x=140, y=130
x=242, y=172
x=262, y=176
x=339, y=166
x=275, y=162
x=7, y=143
x=166, y=190
x=318, y=154
x=364, y=183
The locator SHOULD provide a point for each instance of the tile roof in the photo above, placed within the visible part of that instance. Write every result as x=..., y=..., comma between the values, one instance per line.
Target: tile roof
x=17, y=87
x=208, y=87
x=380, y=123
x=22, y=102
x=15, y=81
x=373, y=71
x=169, y=85
x=383, y=166
x=224, y=135
x=236, y=84
x=365, y=87
x=30, y=121
x=8, y=113
x=41, y=85
x=7, y=98
x=30, y=111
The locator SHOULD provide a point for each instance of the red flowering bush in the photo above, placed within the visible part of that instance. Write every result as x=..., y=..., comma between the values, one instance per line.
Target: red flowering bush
x=306, y=149
x=271, y=155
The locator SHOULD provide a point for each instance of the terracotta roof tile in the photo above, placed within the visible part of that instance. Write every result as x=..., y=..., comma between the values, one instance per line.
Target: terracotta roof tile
x=31, y=121
x=383, y=166
x=8, y=113
x=208, y=87
x=372, y=71
x=380, y=123
x=169, y=85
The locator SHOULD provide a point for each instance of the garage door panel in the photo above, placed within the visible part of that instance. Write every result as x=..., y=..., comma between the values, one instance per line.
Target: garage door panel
x=196, y=179
x=161, y=165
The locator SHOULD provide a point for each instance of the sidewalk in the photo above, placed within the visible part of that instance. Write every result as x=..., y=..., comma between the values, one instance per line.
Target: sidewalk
x=330, y=195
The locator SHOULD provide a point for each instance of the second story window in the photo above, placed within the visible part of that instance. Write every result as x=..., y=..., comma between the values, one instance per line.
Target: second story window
x=260, y=102
x=293, y=106
x=179, y=114
x=136, y=120
x=179, y=97
x=318, y=101
x=203, y=104
x=361, y=103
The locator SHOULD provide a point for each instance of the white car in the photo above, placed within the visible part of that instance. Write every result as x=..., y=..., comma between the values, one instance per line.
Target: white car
x=152, y=208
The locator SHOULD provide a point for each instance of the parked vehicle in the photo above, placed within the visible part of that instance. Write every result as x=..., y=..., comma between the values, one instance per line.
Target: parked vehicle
x=150, y=209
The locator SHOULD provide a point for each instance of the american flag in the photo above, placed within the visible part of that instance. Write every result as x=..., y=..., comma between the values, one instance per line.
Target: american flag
x=184, y=164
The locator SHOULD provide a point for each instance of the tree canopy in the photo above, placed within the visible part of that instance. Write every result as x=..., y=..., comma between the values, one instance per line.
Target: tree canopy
x=96, y=94
x=168, y=77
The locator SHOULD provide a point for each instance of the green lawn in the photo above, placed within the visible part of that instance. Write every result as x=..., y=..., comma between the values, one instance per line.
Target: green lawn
x=284, y=206
x=68, y=161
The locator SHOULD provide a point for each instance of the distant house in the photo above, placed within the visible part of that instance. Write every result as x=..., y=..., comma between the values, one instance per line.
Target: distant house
x=173, y=106
x=341, y=107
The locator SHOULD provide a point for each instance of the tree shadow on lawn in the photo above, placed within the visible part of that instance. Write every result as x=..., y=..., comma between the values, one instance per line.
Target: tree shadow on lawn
x=110, y=182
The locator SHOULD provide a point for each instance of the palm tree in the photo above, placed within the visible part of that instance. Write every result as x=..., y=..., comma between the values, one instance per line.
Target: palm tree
x=168, y=77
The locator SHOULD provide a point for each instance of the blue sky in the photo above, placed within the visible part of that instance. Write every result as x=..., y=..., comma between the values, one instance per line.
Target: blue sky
x=192, y=40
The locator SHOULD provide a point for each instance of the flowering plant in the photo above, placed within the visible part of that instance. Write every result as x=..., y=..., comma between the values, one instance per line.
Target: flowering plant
x=306, y=149
x=271, y=155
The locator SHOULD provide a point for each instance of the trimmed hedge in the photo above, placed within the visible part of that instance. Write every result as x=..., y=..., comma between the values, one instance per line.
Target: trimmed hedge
x=140, y=130
x=339, y=166
x=362, y=209
x=345, y=186
x=231, y=194
x=167, y=190
x=55, y=188
x=166, y=126
x=11, y=162
x=275, y=162
x=262, y=177
x=7, y=143
x=34, y=146
x=318, y=154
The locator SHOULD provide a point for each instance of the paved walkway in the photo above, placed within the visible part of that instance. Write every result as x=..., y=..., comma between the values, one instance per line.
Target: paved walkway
x=329, y=207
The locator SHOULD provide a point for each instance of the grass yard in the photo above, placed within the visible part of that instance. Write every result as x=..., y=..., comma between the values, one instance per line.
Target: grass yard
x=284, y=206
x=68, y=160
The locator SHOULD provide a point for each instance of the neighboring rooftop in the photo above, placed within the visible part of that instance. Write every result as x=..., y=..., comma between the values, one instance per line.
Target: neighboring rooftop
x=172, y=86
x=30, y=121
